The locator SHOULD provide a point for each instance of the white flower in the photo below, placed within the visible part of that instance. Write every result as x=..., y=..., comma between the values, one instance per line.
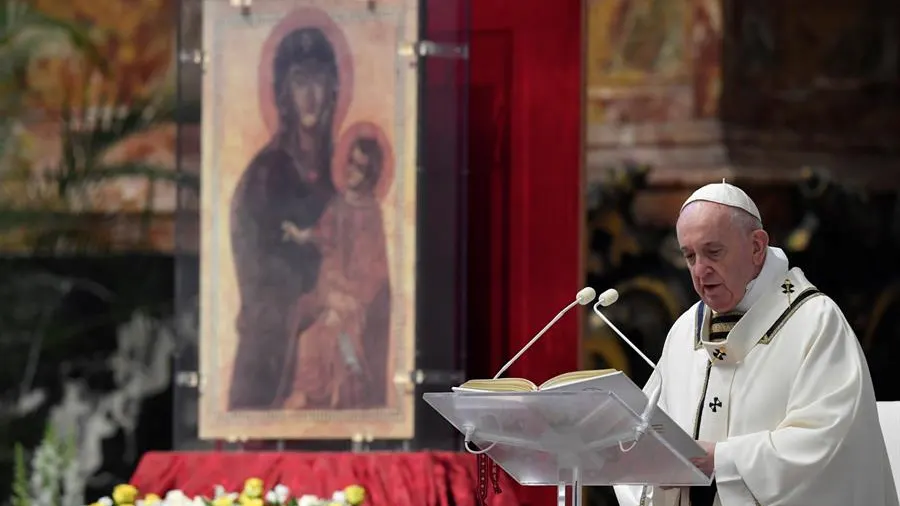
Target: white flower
x=139, y=502
x=270, y=497
x=105, y=501
x=218, y=491
x=198, y=501
x=282, y=493
x=174, y=495
x=339, y=497
x=177, y=498
x=308, y=500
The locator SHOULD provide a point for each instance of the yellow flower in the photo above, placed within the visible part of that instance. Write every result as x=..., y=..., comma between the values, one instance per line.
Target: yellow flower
x=224, y=500
x=354, y=495
x=251, y=501
x=124, y=494
x=253, y=488
x=151, y=499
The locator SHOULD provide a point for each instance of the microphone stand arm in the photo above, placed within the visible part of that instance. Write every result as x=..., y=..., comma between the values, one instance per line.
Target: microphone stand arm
x=535, y=338
x=647, y=415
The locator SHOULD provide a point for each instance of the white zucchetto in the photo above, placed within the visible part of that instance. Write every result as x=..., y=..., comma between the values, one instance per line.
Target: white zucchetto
x=725, y=194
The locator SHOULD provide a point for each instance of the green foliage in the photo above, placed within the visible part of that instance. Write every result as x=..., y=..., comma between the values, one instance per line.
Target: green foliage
x=43, y=481
x=20, y=495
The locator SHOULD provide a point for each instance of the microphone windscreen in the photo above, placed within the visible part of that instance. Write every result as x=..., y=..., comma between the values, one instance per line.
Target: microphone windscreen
x=608, y=297
x=585, y=295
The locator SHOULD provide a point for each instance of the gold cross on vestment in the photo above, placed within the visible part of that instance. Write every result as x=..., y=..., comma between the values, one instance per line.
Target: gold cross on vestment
x=720, y=354
x=787, y=288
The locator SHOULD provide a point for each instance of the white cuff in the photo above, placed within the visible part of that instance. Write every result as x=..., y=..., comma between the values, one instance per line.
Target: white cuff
x=731, y=487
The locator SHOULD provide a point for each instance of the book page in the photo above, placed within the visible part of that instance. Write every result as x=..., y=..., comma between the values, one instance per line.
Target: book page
x=575, y=377
x=498, y=385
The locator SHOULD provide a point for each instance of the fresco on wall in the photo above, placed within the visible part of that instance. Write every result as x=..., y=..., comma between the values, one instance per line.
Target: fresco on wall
x=652, y=60
x=634, y=48
x=805, y=71
x=87, y=128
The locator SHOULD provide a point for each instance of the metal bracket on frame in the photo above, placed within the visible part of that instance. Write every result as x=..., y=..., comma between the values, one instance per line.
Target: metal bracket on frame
x=428, y=48
x=190, y=379
x=244, y=5
x=196, y=56
x=437, y=377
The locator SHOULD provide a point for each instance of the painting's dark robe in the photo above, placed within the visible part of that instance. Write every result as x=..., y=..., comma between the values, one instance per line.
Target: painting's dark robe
x=272, y=273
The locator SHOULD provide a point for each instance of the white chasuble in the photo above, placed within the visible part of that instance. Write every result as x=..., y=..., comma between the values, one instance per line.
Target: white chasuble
x=786, y=396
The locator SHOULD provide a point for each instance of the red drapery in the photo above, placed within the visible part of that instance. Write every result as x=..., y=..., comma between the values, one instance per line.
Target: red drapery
x=525, y=159
x=525, y=116
x=390, y=479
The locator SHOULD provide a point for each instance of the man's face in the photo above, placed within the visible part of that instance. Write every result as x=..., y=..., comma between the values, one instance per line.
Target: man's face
x=722, y=256
x=308, y=89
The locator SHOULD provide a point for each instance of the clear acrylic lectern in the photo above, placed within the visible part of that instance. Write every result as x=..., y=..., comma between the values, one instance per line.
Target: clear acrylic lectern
x=571, y=438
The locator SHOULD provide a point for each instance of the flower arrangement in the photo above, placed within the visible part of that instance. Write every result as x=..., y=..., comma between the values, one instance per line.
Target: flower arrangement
x=253, y=494
x=51, y=476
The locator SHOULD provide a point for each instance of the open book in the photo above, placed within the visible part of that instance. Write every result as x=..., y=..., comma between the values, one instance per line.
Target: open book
x=573, y=379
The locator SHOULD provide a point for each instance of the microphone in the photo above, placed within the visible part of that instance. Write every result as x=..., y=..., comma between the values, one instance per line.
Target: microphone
x=606, y=299
x=583, y=297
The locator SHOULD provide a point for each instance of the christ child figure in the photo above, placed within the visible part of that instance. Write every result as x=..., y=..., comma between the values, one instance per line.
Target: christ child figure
x=333, y=366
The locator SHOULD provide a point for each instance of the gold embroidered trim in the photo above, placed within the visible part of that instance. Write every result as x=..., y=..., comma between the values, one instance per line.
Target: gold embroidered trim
x=804, y=296
x=715, y=328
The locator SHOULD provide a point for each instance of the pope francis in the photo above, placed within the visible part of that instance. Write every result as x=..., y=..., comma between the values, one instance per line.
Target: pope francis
x=766, y=373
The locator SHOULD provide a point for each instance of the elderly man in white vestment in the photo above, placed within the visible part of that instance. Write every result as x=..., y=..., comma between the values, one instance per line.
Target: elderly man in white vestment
x=766, y=373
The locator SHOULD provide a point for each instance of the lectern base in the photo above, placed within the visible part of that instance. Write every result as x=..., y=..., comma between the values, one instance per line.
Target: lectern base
x=576, y=488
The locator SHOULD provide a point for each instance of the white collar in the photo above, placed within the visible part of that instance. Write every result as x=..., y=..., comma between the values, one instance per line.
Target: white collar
x=774, y=268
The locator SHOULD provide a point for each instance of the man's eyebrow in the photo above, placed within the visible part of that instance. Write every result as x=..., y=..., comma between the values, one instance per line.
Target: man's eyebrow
x=710, y=244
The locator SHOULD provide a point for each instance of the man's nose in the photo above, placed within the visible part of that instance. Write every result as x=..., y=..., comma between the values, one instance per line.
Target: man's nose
x=700, y=269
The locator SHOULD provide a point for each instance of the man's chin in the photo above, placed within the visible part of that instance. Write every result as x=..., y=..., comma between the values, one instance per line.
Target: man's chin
x=718, y=305
x=715, y=299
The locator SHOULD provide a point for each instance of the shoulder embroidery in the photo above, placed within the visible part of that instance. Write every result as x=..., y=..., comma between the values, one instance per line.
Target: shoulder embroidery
x=795, y=304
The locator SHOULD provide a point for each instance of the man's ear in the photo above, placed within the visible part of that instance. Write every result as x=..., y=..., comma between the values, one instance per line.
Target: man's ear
x=760, y=240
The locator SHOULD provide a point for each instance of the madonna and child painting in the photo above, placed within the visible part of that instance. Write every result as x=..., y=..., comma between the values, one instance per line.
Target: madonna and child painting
x=308, y=249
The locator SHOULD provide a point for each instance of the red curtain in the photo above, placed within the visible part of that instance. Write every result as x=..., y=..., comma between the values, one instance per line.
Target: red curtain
x=525, y=187
x=525, y=183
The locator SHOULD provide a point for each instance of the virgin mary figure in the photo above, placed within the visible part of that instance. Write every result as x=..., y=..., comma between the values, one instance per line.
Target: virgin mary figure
x=289, y=180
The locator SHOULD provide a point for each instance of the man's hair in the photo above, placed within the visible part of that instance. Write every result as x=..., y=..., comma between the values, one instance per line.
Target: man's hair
x=745, y=221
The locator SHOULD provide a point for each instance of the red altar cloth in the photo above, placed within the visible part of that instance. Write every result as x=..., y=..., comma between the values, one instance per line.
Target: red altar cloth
x=390, y=479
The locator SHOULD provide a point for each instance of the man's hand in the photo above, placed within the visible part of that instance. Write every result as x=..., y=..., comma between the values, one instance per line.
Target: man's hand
x=706, y=463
